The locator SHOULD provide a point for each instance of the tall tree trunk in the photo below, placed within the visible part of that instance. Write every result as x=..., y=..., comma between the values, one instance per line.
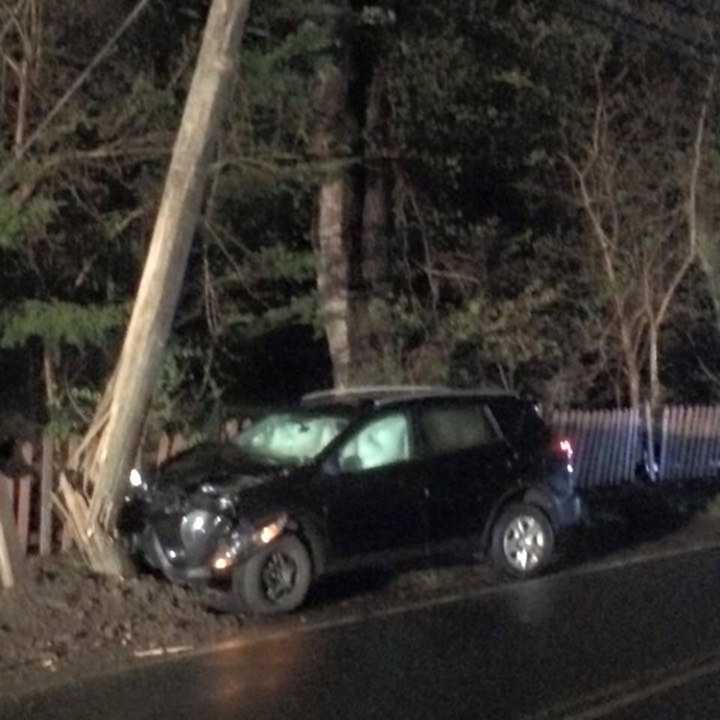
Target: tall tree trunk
x=631, y=365
x=50, y=377
x=122, y=417
x=654, y=363
x=632, y=373
x=375, y=205
x=333, y=273
x=371, y=337
x=333, y=215
x=352, y=212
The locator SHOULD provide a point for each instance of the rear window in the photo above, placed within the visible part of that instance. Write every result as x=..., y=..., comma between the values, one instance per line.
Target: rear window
x=449, y=428
x=519, y=421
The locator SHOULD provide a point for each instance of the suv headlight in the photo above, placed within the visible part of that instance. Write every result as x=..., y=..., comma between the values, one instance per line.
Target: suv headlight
x=136, y=480
x=242, y=539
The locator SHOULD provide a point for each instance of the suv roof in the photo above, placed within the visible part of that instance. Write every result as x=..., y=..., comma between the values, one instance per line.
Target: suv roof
x=380, y=394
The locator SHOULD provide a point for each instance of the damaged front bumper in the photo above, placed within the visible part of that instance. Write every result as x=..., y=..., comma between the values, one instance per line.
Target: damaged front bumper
x=184, y=561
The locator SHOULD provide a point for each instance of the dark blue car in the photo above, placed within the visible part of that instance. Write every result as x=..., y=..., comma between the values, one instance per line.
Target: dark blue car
x=353, y=476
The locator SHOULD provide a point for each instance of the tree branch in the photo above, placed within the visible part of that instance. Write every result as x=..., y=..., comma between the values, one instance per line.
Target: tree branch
x=691, y=253
x=9, y=169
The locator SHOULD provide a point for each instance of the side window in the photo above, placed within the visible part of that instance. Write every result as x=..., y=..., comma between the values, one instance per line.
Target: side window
x=381, y=442
x=449, y=428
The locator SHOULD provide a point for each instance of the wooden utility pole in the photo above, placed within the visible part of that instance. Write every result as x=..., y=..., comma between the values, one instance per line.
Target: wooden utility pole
x=115, y=434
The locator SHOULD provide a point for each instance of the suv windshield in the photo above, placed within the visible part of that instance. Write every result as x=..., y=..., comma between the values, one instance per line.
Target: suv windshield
x=291, y=438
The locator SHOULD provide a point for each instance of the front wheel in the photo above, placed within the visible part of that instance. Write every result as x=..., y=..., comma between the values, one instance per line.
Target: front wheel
x=276, y=579
x=523, y=541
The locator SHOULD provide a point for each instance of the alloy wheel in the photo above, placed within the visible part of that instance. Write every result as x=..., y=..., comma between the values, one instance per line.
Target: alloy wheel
x=524, y=543
x=278, y=576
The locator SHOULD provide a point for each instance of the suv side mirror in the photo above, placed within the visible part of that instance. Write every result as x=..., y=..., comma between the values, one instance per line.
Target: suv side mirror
x=331, y=465
x=335, y=466
x=352, y=463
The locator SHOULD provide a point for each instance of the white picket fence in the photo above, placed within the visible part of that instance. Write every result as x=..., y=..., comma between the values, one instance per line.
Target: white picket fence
x=613, y=447
x=690, y=446
x=606, y=443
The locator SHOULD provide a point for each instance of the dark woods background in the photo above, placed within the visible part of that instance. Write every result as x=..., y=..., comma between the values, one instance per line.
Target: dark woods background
x=510, y=193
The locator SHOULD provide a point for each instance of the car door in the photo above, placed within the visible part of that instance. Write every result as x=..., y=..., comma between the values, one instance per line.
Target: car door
x=468, y=466
x=374, y=493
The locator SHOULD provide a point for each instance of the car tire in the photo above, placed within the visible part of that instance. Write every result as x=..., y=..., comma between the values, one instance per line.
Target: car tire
x=276, y=579
x=523, y=541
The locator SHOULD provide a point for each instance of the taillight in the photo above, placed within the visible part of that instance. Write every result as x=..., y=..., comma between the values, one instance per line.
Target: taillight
x=565, y=447
x=564, y=450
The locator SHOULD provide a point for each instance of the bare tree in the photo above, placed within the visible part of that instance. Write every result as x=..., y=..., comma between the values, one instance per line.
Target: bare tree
x=635, y=154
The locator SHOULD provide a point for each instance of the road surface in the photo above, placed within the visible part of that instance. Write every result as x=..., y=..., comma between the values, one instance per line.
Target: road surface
x=641, y=641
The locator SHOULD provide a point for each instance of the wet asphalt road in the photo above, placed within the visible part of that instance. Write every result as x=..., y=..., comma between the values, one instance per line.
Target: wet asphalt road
x=636, y=642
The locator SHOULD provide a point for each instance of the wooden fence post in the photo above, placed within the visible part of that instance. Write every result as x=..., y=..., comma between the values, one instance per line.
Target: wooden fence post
x=70, y=463
x=650, y=438
x=24, y=495
x=11, y=559
x=23, y=512
x=46, y=484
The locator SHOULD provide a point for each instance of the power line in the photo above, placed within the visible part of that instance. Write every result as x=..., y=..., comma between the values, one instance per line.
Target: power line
x=79, y=81
x=607, y=15
x=653, y=28
x=641, y=31
x=14, y=13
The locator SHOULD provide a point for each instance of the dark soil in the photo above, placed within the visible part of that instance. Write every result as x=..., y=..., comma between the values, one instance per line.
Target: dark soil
x=67, y=618
x=68, y=622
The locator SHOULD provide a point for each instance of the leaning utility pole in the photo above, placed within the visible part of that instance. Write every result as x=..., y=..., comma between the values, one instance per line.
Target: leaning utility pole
x=112, y=440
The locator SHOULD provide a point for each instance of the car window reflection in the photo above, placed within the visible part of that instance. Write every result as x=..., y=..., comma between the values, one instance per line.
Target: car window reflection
x=382, y=442
x=452, y=428
x=290, y=438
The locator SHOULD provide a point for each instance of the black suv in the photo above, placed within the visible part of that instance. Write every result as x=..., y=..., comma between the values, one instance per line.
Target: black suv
x=357, y=475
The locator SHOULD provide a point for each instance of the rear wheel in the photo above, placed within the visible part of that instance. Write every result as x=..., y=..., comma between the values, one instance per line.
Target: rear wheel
x=523, y=541
x=276, y=579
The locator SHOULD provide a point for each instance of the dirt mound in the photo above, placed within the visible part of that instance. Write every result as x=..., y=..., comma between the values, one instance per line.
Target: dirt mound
x=68, y=618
